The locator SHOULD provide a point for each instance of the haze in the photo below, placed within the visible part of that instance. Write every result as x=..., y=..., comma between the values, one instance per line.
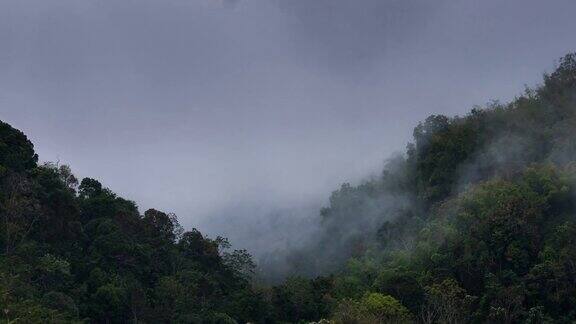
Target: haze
x=238, y=110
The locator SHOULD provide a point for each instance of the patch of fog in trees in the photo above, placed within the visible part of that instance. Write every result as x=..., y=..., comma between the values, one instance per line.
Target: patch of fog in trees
x=318, y=241
x=317, y=237
x=504, y=157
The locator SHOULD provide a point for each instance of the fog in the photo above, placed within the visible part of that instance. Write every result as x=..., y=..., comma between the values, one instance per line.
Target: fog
x=241, y=116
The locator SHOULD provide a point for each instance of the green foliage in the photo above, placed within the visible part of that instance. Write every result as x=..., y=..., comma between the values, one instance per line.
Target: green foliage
x=16, y=151
x=300, y=299
x=385, y=308
x=372, y=308
x=446, y=302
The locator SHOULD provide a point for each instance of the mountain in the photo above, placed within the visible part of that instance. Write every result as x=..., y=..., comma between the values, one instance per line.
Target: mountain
x=475, y=223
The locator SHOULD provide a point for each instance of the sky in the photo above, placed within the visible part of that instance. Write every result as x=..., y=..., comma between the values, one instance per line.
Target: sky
x=228, y=112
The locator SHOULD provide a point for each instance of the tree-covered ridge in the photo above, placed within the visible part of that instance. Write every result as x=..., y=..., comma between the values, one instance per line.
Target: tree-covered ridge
x=79, y=253
x=474, y=224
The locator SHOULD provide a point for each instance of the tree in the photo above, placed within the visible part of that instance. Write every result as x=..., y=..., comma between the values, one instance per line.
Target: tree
x=18, y=211
x=372, y=308
x=16, y=151
x=159, y=225
x=446, y=302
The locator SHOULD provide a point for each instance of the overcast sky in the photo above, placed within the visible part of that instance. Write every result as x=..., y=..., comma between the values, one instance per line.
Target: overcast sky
x=223, y=109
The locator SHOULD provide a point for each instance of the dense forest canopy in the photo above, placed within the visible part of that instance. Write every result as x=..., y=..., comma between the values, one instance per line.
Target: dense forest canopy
x=474, y=223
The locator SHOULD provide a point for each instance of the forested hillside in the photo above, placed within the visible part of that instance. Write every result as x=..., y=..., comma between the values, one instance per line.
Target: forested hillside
x=76, y=252
x=475, y=223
